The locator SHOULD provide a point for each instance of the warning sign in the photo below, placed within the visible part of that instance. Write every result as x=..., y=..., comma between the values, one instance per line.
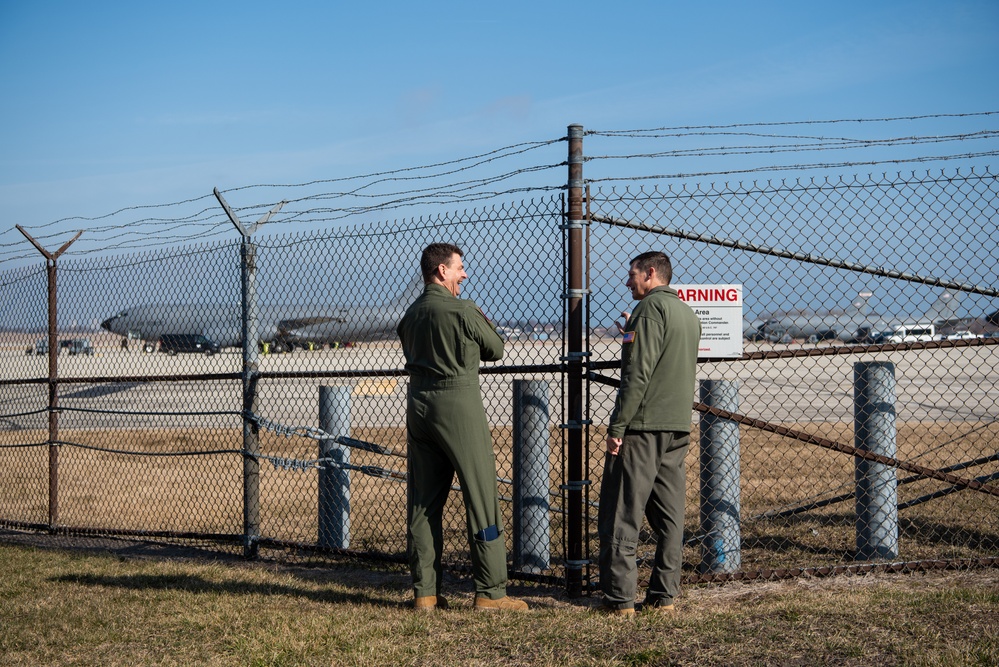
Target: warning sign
x=719, y=307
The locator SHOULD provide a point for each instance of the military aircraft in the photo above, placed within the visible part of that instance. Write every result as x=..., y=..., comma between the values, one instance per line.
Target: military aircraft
x=986, y=326
x=853, y=325
x=282, y=327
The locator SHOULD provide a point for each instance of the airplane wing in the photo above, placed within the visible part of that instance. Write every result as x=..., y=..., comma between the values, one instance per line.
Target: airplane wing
x=292, y=324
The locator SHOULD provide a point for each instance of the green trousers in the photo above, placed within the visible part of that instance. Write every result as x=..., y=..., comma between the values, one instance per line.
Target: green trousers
x=448, y=434
x=646, y=478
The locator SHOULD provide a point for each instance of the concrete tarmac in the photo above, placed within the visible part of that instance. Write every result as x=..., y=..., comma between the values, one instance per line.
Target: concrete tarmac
x=956, y=384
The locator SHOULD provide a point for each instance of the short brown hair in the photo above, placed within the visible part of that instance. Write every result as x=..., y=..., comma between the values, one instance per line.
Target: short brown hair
x=657, y=260
x=434, y=255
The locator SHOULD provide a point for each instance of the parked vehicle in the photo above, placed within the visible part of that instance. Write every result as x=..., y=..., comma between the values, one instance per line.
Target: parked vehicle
x=75, y=346
x=913, y=333
x=962, y=335
x=196, y=343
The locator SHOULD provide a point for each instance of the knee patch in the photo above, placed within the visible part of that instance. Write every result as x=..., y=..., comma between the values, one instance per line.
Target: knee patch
x=624, y=545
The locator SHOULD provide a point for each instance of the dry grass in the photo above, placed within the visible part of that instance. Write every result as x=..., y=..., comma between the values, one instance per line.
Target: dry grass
x=139, y=607
x=204, y=493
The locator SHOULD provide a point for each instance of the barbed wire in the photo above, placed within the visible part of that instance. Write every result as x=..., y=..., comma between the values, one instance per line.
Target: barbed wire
x=389, y=190
x=889, y=119
x=795, y=167
x=823, y=144
x=208, y=224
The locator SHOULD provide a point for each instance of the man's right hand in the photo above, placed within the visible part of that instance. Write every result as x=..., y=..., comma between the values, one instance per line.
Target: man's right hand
x=620, y=327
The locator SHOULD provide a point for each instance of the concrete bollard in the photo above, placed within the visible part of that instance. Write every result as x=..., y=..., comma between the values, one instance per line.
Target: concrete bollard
x=334, y=480
x=876, y=483
x=531, y=475
x=721, y=545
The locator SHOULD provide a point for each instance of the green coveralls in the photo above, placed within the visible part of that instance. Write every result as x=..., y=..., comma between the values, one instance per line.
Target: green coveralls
x=647, y=477
x=444, y=339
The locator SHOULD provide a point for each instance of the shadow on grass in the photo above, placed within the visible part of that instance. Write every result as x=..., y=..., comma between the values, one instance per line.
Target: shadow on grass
x=198, y=585
x=936, y=534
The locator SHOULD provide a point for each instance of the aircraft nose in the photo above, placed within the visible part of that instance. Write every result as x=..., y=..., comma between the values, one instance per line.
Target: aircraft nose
x=106, y=324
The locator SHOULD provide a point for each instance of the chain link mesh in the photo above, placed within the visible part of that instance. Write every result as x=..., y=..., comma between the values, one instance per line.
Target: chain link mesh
x=805, y=498
x=150, y=440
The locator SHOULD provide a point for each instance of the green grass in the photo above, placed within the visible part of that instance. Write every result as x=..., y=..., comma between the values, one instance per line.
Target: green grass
x=63, y=607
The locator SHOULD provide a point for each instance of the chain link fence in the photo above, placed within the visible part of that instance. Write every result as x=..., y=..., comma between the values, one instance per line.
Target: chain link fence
x=841, y=278
x=149, y=421
x=152, y=419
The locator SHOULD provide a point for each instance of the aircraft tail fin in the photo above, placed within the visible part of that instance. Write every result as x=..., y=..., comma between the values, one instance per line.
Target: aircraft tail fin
x=859, y=305
x=944, y=308
x=413, y=289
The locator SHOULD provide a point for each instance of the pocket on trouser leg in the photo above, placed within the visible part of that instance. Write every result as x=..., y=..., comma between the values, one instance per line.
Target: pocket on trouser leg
x=487, y=534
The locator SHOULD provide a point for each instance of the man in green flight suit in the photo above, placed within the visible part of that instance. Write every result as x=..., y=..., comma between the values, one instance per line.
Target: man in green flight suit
x=647, y=440
x=444, y=339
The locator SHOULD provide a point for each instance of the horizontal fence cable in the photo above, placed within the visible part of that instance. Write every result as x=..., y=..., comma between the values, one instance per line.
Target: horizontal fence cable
x=30, y=413
x=316, y=433
x=825, y=502
x=285, y=463
x=111, y=450
x=825, y=443
x=148, y=413
x=820, y=500
x=829, y=351
x=26, y=445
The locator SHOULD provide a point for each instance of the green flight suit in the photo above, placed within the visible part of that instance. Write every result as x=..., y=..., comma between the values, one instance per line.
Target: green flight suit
x=445, y=339
x=647, y=477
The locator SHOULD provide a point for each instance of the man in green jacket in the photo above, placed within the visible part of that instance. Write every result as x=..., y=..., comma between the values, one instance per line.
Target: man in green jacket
x=444, y=339
x=647, y=440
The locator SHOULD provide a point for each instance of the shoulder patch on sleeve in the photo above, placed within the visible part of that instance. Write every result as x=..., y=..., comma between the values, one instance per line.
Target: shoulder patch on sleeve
x=629, y=337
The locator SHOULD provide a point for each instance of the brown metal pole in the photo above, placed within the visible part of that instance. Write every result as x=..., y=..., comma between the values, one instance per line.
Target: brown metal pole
x=53, y=381
x=575, y=482
x=250, y=374
x=53, y=399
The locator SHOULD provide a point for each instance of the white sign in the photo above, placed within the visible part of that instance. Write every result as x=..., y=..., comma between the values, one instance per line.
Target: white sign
x=719, y=307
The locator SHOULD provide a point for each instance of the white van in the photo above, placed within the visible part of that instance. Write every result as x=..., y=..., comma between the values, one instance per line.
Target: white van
x=913, y=333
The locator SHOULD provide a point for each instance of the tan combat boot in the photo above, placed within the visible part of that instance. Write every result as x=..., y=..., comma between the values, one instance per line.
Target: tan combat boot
x=430, y=602
x=505, y=603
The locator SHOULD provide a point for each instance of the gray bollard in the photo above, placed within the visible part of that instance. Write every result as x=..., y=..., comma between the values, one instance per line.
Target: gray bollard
x=531, y=475
x=876, y=483
x=721, y=545
x=334, y=480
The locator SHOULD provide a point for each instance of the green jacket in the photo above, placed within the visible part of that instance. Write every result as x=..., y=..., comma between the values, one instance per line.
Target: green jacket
x=658, y=366
x=445, y=339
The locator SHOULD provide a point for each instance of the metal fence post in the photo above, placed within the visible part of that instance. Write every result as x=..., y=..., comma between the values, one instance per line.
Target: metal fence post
x=575, y=482
x=53, y=380
x=251, y=371
x=531, y=477
x=721, y=545
x=334, y=477
x=876, y=483
x=251, y=430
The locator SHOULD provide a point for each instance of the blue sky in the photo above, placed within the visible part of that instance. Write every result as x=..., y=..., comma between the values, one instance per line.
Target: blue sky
x=114, y=104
